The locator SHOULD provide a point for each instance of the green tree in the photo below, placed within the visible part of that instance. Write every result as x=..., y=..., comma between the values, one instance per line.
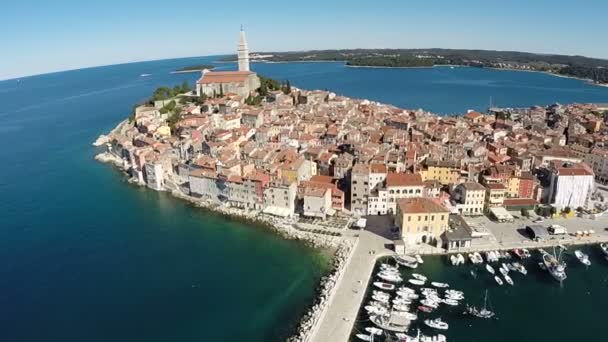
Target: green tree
x=185, y=87
x=221, y=94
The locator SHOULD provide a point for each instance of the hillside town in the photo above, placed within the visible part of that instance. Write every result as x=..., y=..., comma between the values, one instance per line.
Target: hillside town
x=314, y=155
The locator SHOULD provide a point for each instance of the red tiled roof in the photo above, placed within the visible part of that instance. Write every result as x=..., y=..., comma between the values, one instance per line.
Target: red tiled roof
x=420, y=205
x=404, y=179
x=224, y=77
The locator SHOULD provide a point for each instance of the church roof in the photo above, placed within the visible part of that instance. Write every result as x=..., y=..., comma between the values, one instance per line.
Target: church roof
x=224, y=77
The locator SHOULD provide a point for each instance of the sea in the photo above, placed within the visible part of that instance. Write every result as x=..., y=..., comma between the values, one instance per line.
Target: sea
x=86, y=256
x=535, y=308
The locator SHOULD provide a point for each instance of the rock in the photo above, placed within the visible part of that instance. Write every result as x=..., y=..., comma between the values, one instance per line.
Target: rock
x=102, y=140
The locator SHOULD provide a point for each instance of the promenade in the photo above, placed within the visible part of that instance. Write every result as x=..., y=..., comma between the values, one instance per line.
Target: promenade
x=341, y=314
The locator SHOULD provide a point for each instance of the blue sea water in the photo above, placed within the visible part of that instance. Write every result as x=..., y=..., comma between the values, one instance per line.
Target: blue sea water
x=84, y=256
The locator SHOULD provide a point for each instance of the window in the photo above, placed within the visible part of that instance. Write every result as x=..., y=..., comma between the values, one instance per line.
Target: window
x=419, y=218
x=442, y=217
x=409, y=218
x=432, y=217
x=426, y=217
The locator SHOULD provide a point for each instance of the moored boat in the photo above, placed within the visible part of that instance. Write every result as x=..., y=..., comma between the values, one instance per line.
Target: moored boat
x=490, y=269
x=364, y=337
x=604, y=248
x=509, y=280
x=374, y=330
x=419, y=276
x=582, y=257
x=436, y=323
x=498, y=280
x=440, y=285
x=406, y=260
x=425, y=308
x=556, y=268
x=384, y=286
x=416, y=282
x=480, y=313
x=419, y=259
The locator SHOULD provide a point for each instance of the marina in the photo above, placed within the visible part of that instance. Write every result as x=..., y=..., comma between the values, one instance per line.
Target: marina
x=529, y=292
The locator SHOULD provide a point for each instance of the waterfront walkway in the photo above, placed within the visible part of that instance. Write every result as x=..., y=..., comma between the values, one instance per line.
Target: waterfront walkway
x=338, y=320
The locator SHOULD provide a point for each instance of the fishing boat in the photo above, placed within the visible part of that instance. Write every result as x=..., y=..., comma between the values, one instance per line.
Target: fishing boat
x=440, y=285
x=604, y=247
x=416, y=282
x=582, y=257
x=364, y=337
x=490, y=269
x=419, y=259
x=480, y=313
x=498, y=280
x=419, y=276
x=374, y=330
x=436, y=323
x=556, y=268
x=384, y=286
x=405, y=260
x=508, y=279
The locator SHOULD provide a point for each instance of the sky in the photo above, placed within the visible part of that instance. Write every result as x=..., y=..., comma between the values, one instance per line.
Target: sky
x=53, y=35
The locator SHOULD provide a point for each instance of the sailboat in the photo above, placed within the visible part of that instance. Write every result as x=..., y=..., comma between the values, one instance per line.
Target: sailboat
x=481, y=313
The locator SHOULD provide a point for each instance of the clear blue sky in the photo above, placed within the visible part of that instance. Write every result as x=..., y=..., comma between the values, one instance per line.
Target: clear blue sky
x=52, y=35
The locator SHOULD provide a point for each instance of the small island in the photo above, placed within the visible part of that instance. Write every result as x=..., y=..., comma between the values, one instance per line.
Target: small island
x=194, y=68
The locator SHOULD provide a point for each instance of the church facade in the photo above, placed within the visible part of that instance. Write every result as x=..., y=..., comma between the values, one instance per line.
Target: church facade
x=242, y=82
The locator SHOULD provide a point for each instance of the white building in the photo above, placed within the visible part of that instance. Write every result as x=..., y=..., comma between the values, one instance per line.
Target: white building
x=317, y=202
x=280, y=198
x=470, y=198
x=571, y=185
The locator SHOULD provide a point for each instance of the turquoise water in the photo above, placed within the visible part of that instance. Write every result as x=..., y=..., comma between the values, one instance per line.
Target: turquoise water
x=536, y=308
x=87, y=257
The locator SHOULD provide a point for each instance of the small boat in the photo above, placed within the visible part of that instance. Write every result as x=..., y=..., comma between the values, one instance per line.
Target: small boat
x=374, y=330
x=511, y=267
x=460, y=258
x=451, y=302
x=401, y=337
x=520, y=268
x=392, y=277
x=503, y=271
x=454, y=260
x=381, y=293
x=425, y=308
x=582, y=257
x=419, y=276
x=436, y=323
x=405, y=260
x=604, y=247
x=407, y=315
x=498, y=280
x=376, y=310
x=480, y=313
x=364, y=337
x=419, y=259
x=430, y=303
x=383, y=300
x=406, y=289
x=401, y=301
x=401, y=307
x=490, y=269
x=472, y=258
x=384, y=286
x=478, y=257
x=416, y=282
x=435, y=338
x=454, y=296
x=508, y=279
x=519, y=253
x=527, y=253
x=440, y=285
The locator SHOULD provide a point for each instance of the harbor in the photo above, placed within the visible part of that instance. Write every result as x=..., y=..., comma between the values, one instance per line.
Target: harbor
x=534, y=302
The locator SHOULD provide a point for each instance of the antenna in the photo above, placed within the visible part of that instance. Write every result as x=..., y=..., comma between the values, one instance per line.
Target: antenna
x=242, y=27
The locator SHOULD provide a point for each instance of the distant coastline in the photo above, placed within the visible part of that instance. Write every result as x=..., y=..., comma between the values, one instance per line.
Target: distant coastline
x=193, y=68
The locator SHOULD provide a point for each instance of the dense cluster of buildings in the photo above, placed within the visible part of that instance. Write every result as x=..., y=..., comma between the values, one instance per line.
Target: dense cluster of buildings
x=317, y=154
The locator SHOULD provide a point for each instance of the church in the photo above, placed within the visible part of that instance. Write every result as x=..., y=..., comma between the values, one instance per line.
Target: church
x=242, y=82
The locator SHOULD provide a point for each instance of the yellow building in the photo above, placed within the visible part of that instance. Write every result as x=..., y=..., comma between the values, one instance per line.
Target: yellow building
x=421, y=220
x=444, y=172
x=513, y=186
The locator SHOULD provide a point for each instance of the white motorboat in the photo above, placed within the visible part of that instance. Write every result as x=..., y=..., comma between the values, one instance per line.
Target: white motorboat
x=451, y=302
x=406, y=289
x=383, y=300
x=604, y=247
x=503, y=271
x=384, y=286
x=520, y=268
x=504, y=267
x=440, y=285
x=364, y=337
x=419, y=276
x=430, y=303
x=509, y=280
x=454, y=293
x=376, y=310
x=511, y=267
x=381, y=293
x=407, y=295
x=419, y=259
x=406, y=260
x=454, y=260
x=498, y=280
x=401, y=307
x=401, y=301
x=387, y=267
x=435, y=338
x=490, y=269
x=436, y=323
x=472, y=258
x=582, y=257
x=392, y=277
x=374, y=330
x=460, y=258
x=454, y=296
x=416, y=282
x=407, y=315
x=478, y=258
